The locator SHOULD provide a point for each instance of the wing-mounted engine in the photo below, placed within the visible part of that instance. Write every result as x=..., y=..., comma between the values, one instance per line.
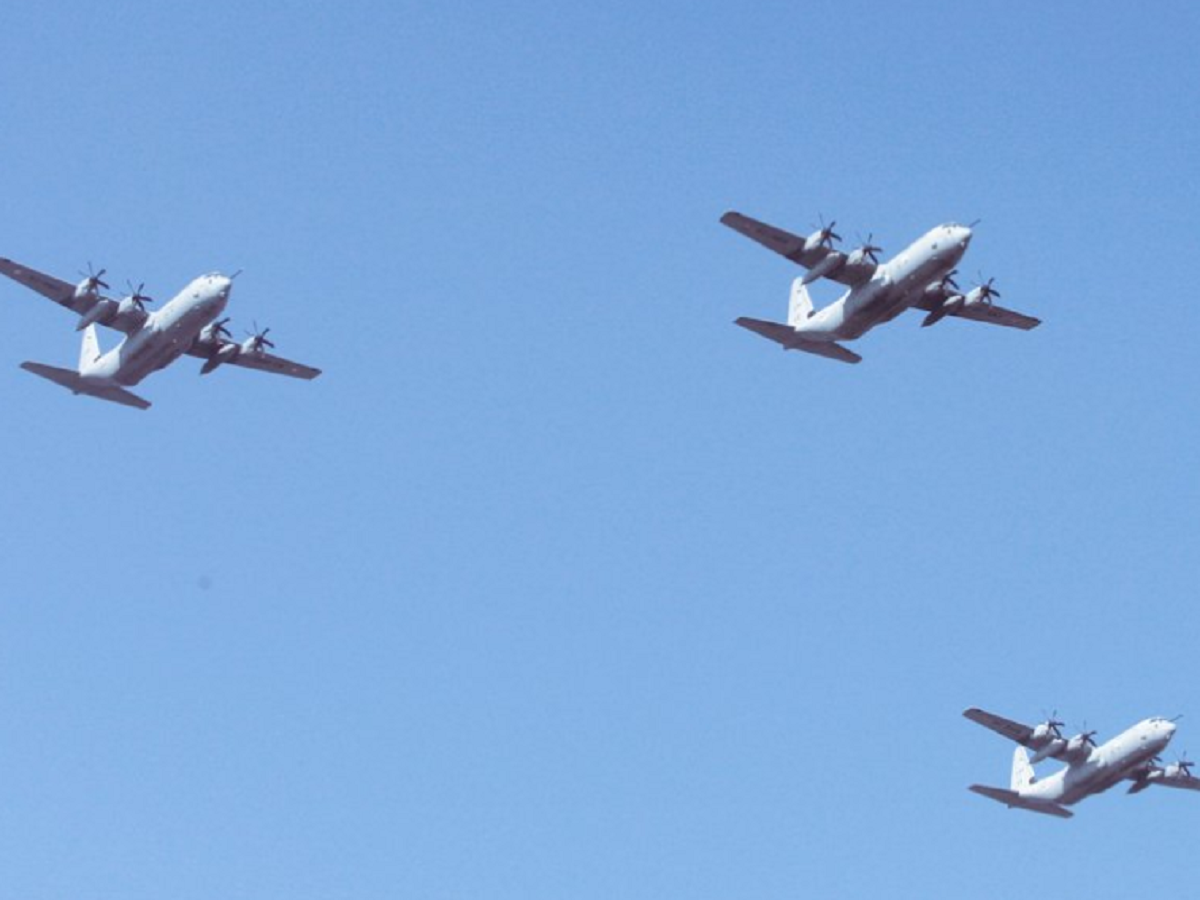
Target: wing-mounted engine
x=944, y=298
x=214, y=344
x=87, y=292
x=1178, y=774
x=829, y=261
x=1078, y=748
x=854, y=268
x=87, y=299
x=824, y=237
x=982, y=294
x=867, y=252
x=1046, y=739
x=131, y=311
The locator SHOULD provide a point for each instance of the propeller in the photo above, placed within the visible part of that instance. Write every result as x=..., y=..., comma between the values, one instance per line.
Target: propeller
x=139, y=299
x=1088, y=737
x=1052, y=722
x=94, y=279
x=258, y=339
x=867, y=249
x=217, y=328
x=1184, y=766
x=948, y=285
x=986, y=291
x=826, y=234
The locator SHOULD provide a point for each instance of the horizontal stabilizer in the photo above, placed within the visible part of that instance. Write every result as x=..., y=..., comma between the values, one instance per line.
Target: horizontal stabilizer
x=77, y=384
x=1013, y=799
x=790, y=339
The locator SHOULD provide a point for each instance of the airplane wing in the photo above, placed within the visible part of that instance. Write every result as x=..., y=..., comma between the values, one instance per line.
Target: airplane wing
x=267, y=362
x=982, y=312
x=1022, y=734
x=823, y=261
x=261, y=360
x=1172, y=776
x=63, y=294
x=998, y=315
x=1180, y=780
x=791, y=340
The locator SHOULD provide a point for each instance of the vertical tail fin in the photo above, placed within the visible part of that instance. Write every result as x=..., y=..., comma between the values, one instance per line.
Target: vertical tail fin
x=89, y=351
x=1022, y=771
x=800, y=307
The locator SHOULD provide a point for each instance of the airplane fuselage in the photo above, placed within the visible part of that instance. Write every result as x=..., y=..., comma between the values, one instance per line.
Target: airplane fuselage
x=897, y=285
x=166, y=334
x=1106, y=765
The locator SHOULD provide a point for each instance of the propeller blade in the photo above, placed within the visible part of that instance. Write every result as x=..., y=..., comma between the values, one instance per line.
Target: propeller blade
x=827, y=235
x=95, y=279
x=258, y=339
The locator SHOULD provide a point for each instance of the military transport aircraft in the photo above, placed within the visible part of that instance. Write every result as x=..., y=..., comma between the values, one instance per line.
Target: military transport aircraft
x=1090, y=769
x=187, y=324
x=921, y=277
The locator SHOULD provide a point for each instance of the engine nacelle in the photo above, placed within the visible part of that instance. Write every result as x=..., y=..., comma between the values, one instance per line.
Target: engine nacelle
x=86, y=291
x=1078, y=748
x=130, y=308
x=226, y=353
x=979, y=296
x=101, y=314
x=1055, y=747
x=1042, y=733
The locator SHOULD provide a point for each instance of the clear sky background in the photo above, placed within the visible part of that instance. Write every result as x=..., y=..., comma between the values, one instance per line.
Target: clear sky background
x=557, y=584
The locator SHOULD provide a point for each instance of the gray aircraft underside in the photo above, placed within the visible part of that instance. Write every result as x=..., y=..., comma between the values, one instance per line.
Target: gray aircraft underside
x=187, y=325
x=1132, y=756
x=920, y=277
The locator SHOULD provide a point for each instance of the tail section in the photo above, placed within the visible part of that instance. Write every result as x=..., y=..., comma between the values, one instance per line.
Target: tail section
x=1022, y=779
x=1022, y=771
x=89, y=351
x=800, y=306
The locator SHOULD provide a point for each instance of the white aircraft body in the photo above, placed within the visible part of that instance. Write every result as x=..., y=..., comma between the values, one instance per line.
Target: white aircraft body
x=920, y=277
x=1132, y=755
x=188, y=324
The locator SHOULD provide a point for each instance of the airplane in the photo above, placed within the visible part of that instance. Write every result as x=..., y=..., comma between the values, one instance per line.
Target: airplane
x=188, y=324
x=920, y=277
x=1090, y=769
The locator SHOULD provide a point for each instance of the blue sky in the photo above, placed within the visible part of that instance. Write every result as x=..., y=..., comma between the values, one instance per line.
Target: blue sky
x=556, y=583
